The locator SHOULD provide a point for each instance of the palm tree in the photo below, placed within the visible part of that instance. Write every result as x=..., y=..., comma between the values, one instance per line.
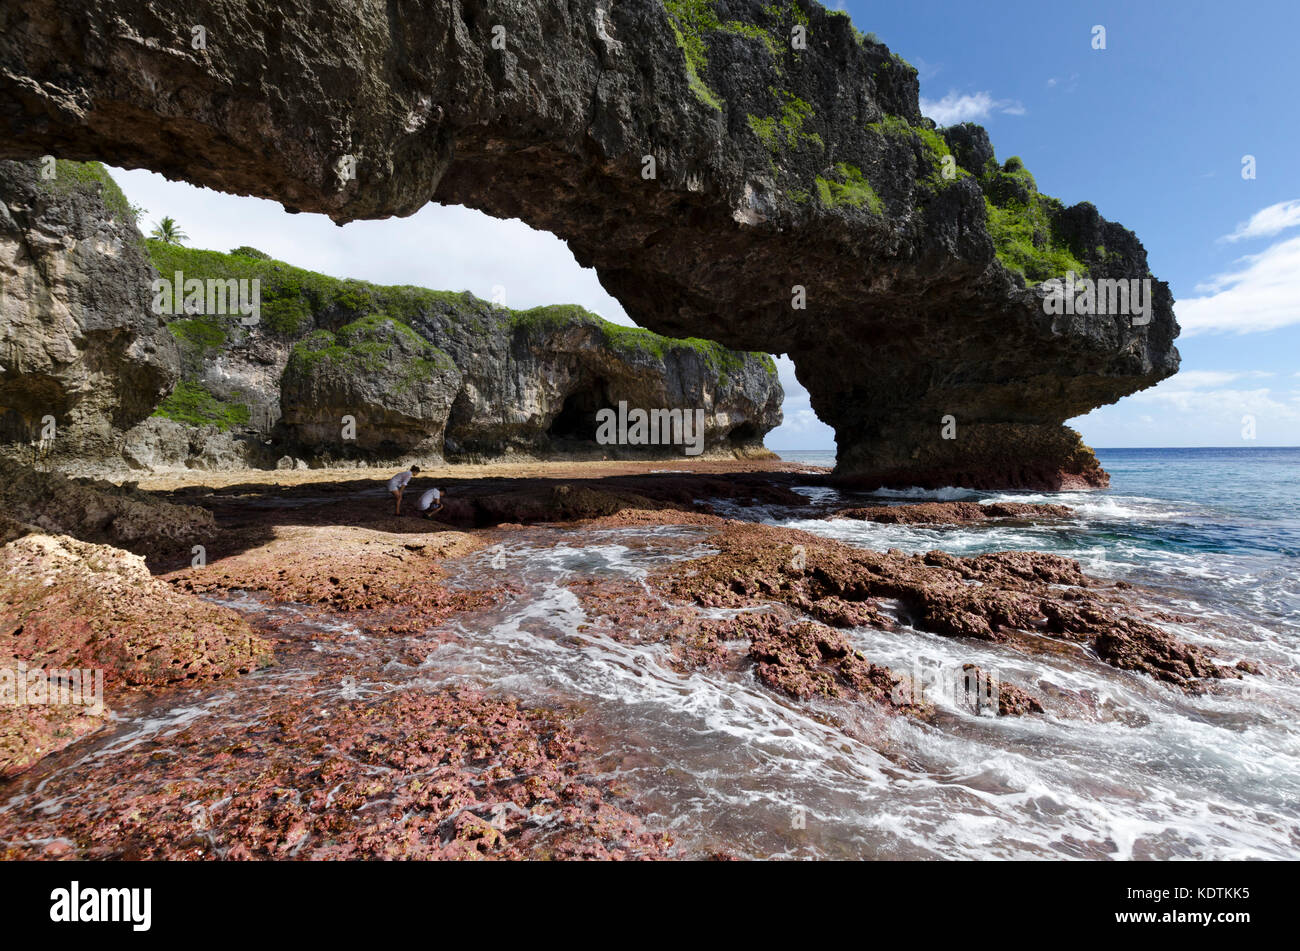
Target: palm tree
x=168, y=232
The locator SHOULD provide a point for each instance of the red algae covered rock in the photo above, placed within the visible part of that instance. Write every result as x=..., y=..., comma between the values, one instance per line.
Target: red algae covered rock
x=800, y=658
x=30, y=732
x=346, y=568
x=72, y=604
x=68, y=605
x=942, y=513
x=807, y=659
x=410, y=775
x=993, y=597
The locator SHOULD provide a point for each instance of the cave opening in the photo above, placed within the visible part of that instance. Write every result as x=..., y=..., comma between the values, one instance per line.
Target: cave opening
x=576, y=420
x=744, y=434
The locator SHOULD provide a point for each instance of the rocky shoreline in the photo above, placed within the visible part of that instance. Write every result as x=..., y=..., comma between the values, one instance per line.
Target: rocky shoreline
x=344, y=751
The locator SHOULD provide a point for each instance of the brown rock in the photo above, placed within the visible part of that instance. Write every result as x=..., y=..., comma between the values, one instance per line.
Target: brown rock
x=940, y=513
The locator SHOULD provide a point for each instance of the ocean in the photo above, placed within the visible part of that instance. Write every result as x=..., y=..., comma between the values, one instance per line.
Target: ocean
x=1213, y=534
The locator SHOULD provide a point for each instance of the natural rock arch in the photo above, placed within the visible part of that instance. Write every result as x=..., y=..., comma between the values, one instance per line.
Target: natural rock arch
x=774, y=168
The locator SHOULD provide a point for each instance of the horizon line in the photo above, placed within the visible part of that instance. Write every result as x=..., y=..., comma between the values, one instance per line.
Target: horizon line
x=1095, y=448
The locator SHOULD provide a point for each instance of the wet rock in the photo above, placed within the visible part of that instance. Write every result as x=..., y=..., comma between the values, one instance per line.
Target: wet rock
x=396, y=576
x=1013, y=700
x=71, y=605
x=803, y=659
x=941, y=513
x=30, y=732
x=994, y=597
x=449, y=775
x=807, y=659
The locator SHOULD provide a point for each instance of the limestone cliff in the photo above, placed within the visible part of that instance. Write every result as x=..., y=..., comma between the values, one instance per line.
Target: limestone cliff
x=344, y=370
x=327, y=370
x=789, y=155
x=81, y=357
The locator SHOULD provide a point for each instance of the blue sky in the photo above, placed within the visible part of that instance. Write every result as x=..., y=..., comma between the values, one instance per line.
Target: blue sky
x=1152, y=130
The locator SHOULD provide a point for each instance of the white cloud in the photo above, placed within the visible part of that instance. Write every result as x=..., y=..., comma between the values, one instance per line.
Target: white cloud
x=1200, y=379
x=1208, y=405
x=925, y=71
x=1262, y=294
x=1198, y=408
x=967, y=107
x=1057, y=82
x=1268, y=222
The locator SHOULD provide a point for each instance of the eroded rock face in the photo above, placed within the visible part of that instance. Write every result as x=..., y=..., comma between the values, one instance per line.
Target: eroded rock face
x=339, y=371
x=774, y=169
x=535, y=380
x=81, y=356
x=342, y=371
x=392, y=381
x=100, y=511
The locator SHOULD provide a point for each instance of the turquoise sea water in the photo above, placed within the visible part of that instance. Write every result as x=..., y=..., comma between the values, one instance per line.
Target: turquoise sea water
x=1230, y=507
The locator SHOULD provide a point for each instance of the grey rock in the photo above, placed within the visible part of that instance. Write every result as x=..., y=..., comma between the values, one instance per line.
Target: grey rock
x=78, y=343
x=376, y=384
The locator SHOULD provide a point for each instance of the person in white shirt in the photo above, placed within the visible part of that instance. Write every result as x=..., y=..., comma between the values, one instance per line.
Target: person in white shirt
x=398, y=483
x=430, y=503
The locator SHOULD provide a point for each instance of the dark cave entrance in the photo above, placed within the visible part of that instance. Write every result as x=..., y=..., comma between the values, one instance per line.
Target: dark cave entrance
x=745, y=434
x=576, y=421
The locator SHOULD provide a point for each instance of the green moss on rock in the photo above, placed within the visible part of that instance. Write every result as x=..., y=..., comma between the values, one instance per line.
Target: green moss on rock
x=928, y=144
x=849, y=188
x=90, y=178
x=691, y=20
x=193, y=404
x=786, y=131
x=633, y=341
x=1022, y=224
x=376, y=343
x=198, y=334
